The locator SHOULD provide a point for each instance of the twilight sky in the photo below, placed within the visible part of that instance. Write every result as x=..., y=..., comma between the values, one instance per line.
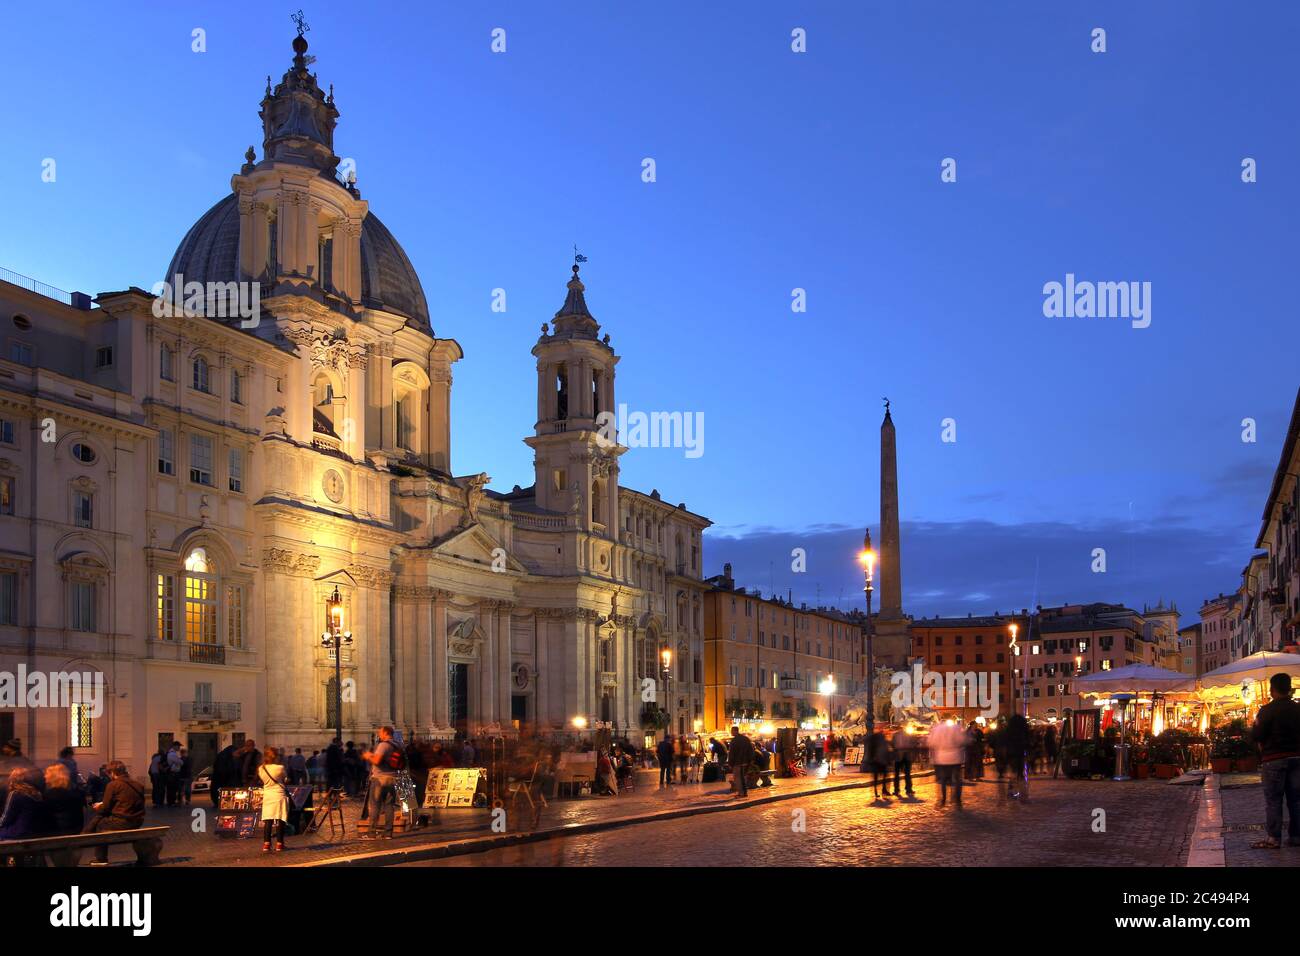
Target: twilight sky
x=776, y=171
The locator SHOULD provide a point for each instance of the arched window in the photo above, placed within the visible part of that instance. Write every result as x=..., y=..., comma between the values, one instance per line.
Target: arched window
x=410, y=388
x=200, y=380
x=595, y=502
x=322, y=416
x=200, y=599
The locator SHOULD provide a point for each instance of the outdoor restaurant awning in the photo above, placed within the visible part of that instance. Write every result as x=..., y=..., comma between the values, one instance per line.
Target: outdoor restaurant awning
x=1259, y=666
x=1134, y=679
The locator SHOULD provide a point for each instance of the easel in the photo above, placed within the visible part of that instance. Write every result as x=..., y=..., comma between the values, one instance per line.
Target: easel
x=331, y=807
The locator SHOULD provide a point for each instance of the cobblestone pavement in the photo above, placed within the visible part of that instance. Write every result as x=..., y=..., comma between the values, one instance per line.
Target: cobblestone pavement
x=1243, y=824
x=184, y=847
x=1147, y=824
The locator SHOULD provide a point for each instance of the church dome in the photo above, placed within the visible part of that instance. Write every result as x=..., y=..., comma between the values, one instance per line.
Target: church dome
x=210, y=253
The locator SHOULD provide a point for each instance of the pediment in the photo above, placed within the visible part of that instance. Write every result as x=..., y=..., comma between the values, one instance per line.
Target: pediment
x=476, y=545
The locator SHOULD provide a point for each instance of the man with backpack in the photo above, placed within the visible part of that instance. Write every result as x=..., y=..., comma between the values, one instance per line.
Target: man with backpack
x=386, y=760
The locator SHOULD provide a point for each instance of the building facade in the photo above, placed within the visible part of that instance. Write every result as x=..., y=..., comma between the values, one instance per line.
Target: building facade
x=765, y=659
x=1279, y=536
x=183, y=492
x=979, y=646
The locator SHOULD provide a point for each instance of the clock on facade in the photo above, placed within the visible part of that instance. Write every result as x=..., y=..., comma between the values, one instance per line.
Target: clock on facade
x=333, y=484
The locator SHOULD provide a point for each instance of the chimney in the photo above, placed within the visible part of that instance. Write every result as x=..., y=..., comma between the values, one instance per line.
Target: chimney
x=80, y=301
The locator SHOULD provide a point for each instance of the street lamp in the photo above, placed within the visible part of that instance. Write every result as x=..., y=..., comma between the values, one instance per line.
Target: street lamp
x=666, y=656
x=335, y=638
x=867, y=558
x=827, y=687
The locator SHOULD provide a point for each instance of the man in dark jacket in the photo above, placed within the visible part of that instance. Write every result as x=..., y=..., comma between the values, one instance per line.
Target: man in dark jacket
x=121, y=809
x=334, y=765
x=740, y=756
x=224, y=774
x=1277, y=731
x=664, y=751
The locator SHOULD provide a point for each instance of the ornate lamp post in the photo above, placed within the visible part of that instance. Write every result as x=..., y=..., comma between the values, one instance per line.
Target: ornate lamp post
x=867, y=558
x=335, y=638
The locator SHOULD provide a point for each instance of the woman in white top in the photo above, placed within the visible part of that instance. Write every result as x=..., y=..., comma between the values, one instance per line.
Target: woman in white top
x=275, y=800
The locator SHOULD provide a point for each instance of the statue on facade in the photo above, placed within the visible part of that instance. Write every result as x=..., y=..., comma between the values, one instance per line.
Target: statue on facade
x=473, y=498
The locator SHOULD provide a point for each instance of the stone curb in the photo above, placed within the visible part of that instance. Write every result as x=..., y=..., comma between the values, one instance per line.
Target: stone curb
x=1206, y=834
x=440, y=851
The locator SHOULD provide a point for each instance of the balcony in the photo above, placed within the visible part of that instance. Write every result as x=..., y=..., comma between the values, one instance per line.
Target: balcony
x=210, y=711
x=207, y=653
x=793, y=688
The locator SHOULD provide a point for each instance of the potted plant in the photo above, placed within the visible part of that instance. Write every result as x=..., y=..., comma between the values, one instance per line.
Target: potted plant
x=1141, y=762
x=1166, y=758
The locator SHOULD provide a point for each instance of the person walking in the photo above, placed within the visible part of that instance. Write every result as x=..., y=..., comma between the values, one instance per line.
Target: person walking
x=904, y=748
x=1277, y=731
x=974, y=752
x=947, y=752
x=386, y=760
x=830, y=753
x=185, y=778
x=174, y=767
x=157, y=781
x=741, y=757
x=1016, y=741
x=121, y=809
x=876, y=756
x=273, y=776
x=665, y=751
x=684, y=756
x=297, y=767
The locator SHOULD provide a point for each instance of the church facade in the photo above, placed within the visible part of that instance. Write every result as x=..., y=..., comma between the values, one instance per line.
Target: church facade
x=190, y=500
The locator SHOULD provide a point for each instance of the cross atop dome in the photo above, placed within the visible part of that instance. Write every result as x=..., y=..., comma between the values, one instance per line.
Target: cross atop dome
x=298, y=119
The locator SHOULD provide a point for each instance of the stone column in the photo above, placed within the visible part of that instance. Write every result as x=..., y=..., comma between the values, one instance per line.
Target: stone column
x=486, y=704
x=503, y=676
x=424, y=719
x=441, y=687
x=891, y=585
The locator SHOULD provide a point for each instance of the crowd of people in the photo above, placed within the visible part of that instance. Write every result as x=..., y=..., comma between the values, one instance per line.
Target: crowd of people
x=58, y=801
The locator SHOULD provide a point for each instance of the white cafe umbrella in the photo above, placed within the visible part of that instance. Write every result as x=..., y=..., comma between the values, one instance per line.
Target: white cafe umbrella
x=1134, y=679
x=1259, y=666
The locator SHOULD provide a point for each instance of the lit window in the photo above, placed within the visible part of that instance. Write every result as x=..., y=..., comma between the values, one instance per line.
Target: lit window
x=166, y=608
x=200, y=600
x=81, y=726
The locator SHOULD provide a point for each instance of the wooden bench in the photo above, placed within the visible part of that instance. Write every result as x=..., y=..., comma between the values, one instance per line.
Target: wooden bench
x=66, y=850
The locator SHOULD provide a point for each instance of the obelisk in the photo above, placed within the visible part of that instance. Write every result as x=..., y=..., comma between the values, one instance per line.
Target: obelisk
x=891, y=584
x=892, y=629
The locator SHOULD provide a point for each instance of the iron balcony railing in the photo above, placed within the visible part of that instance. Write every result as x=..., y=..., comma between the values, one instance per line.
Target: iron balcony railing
x=210, y=710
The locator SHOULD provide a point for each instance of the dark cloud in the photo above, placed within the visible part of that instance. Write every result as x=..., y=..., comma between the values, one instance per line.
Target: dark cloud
x=979, y=566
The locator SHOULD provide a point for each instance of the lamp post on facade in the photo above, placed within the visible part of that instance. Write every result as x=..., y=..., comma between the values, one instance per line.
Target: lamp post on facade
x=666, y=657
x=335, y=638
x=867, y=558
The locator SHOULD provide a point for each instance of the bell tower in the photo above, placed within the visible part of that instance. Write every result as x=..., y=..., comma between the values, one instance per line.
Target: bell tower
x=574, y=444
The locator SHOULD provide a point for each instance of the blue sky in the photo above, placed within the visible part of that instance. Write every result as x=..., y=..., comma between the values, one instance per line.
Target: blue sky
x=776, y=170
